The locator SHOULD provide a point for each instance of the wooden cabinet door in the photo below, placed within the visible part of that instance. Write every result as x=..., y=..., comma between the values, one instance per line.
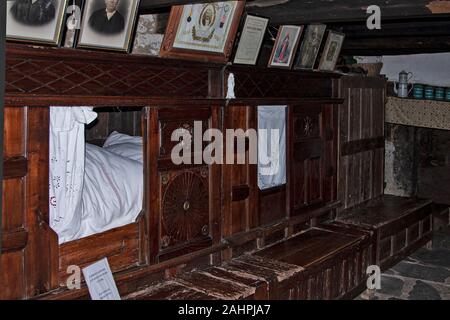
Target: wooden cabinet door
x=182, y=201
x=313, y=166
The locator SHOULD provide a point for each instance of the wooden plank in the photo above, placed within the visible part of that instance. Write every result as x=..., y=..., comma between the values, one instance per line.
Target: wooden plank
x=363, y=145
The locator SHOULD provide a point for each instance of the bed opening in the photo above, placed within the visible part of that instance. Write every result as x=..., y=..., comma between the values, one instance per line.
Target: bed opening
x=96, y=181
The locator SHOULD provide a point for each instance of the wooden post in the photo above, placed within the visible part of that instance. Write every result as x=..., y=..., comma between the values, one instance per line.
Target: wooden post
x=2, y=83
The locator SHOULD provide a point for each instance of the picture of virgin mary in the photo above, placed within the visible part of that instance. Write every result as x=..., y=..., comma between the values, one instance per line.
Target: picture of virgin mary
x=285, y=45
x=283, y=51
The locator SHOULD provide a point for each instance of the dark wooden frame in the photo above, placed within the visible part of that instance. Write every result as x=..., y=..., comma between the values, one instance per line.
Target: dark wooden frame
x=2, y=90
x=200, y=86
x=324, y=53
x=300, y=53
x=241, y=33
x=167, y=49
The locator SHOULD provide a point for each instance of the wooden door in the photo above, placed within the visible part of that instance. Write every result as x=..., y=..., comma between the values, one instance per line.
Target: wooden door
x=27, y=259
x=313, y=166
x=183, y=201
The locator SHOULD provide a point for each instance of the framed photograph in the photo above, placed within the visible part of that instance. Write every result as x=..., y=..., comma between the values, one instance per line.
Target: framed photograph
x=108, y=24
x=285, y=46
x=251, y=39
x=332, y=50
x=309, y=49
x=204, y=31
x=150, y=34
x=39, y=21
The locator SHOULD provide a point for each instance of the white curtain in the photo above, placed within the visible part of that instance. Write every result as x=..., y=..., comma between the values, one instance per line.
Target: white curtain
x=271, y=146
x=66, y=168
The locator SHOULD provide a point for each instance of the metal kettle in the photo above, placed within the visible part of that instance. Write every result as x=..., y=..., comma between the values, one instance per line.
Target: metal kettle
x=401, y=87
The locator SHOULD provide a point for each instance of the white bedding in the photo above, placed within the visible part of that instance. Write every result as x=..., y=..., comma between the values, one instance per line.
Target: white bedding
x=113, y=191
x=92, y=189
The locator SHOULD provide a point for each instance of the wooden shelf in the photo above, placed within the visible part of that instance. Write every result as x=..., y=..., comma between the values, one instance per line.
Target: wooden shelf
x=419, y=113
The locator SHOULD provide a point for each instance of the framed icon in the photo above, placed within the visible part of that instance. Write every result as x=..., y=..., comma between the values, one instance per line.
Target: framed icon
x=309, y=49
x=285, y=46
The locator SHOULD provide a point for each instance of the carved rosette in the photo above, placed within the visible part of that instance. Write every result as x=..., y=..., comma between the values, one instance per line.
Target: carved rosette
x=185, y=209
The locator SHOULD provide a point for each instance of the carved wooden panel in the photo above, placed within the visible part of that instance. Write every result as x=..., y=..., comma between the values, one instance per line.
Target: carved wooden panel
x=313, y=170
x=183, y=199
x=44, y=71
x=184, y=207
x=263, y=83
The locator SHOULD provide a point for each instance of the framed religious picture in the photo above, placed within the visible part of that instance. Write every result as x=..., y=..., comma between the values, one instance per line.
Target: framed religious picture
x=38, y=21
x=285, y=46
x=250, y=40
x=108, y=24
x=309, y=49
x=150, y=34
x=204, y=31
x=331, y=51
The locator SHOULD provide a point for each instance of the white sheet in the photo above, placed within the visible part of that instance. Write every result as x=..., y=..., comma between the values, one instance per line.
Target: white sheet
x=66, y=168
x=271, y=148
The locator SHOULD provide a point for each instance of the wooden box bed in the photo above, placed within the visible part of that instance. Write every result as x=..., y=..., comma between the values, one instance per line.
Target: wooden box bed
x=233, y=218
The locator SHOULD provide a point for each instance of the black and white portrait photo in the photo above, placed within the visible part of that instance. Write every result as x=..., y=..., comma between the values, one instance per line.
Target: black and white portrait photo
x=35, y=20
x=108, y=24
x=34, y=12
x=108, y=20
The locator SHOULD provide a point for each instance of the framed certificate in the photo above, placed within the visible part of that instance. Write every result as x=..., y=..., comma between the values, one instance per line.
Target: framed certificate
x=203, y=31
x=251, y=39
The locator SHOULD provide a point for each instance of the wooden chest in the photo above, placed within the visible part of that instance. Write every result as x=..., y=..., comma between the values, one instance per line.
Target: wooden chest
x=400, y=225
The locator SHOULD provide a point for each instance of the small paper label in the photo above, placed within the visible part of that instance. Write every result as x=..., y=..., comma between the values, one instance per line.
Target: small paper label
x=100, y=281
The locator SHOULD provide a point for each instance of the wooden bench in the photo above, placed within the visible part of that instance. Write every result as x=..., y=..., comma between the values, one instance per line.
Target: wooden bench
x=326, y=262
x=400, y=225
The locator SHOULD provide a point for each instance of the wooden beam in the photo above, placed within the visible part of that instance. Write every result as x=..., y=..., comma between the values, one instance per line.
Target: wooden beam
x=396, y=45
x=307, y=11
x=303, y=11
x=152, y=4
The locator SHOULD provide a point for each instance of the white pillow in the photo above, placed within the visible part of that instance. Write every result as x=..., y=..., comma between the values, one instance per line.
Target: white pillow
x=128, y=150
x=119, y=138
x=112, y=191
